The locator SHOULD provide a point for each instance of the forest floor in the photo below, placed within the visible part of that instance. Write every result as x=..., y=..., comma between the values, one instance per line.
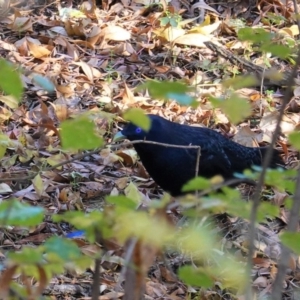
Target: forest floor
x=96, y=57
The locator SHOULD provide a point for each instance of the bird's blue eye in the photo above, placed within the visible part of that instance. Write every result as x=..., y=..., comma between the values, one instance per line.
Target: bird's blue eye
x=138, y=130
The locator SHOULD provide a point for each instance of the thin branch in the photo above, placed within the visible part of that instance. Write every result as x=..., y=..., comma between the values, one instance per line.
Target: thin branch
x=128, y=256
x=197, y=166
x=96, y=280
x=267, y=160
x=285, y=252
x=294, y=213
x=114, y=147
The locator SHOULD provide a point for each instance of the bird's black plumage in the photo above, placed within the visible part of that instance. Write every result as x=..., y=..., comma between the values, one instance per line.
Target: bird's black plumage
x=171, y=168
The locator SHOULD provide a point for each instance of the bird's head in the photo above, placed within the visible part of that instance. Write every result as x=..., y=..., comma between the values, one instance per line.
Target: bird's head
x=130, y=132
x=134, y=133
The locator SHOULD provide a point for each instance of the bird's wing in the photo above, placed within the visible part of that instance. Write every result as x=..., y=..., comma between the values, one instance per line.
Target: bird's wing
x=214, y=160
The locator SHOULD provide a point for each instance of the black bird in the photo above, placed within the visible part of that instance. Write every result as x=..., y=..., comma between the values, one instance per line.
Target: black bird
x=171, y=168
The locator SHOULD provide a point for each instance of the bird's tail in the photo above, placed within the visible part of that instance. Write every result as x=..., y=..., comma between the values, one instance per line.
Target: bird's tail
x=276, y=160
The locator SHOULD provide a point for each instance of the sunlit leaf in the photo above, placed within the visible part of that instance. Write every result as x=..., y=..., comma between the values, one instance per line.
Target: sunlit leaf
x=294, y=138
x=132, y=192
x=235, y=107
x=195, y=277
x=27, y=256
x=281, y=51
x=79, y=134
x=10, y=81
x=137, y=116
x=198, y=183
x=280, y=179
x=267, y=209
x=239, y=82
x=121, y=201
x=255, y=35
x=4, y=143
x=292, y=241
x=65, y=249
x=170, y=91
x=15, y=213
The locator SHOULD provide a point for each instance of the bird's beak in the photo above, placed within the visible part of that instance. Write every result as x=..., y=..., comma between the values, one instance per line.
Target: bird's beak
x=119, y=137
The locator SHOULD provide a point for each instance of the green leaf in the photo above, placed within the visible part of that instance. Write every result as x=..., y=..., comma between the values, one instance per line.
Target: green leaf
x=15, y=213
x=152, y=230
x=80, y=219
x=62, y=248
x=138, y=117
x=43, y=82
x=183, y=99
x=79, y=134
x=170, y=91
x=28, y=256
x=281, y=179
x=239, y=82
x=292, y=241
x=121, y=201
x=90, y=223
x=255, y=35
x=267, y=209
x=132, y=192
x=233, y=203
x=2, y=151
x=294, y=138
x=236, y=108
x=288, y=203
x=273, y=18
x=4, y=143
x=10, y=81
x=281, y=51
x=198, y=183
x=164, y=21
x=173, y=22
x=239, y=209
x=195, y=277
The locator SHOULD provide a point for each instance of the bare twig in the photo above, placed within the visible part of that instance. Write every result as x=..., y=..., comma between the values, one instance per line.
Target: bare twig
x=114, y=147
